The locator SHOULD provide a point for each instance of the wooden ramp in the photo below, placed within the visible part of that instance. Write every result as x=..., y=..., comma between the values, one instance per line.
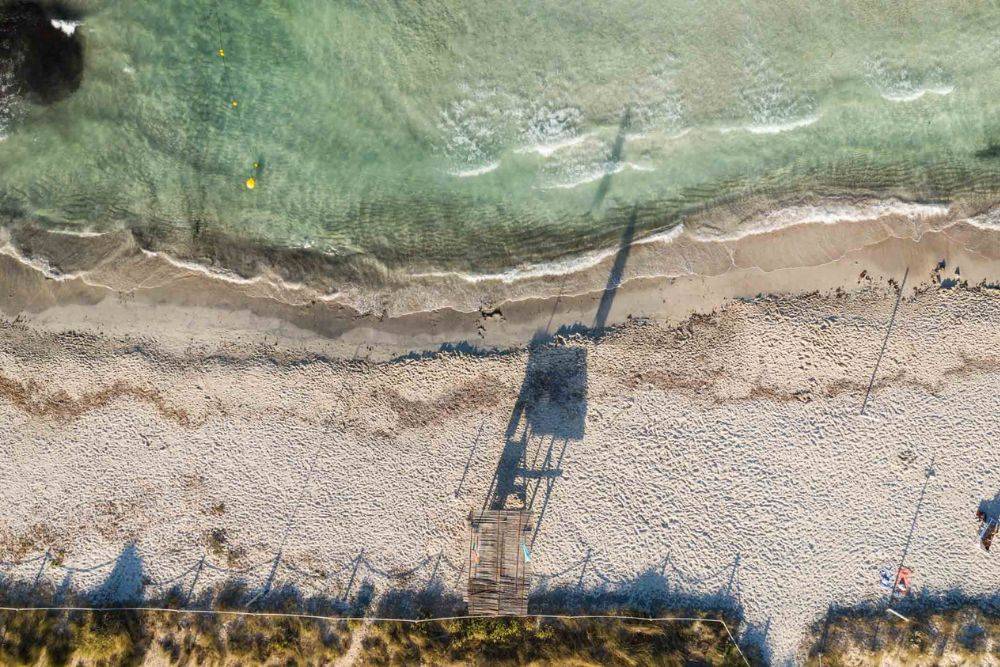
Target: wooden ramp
x=498, y=571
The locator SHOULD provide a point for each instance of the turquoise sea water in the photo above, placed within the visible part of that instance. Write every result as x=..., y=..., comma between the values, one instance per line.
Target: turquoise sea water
x=473, y=135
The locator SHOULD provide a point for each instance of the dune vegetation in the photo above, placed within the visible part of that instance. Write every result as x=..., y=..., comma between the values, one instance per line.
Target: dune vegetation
x=109, y=638
x=546, y=641
x=968, y=634
x=88, y=638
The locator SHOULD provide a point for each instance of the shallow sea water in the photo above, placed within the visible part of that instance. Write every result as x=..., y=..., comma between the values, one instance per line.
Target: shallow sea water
x=475, y=136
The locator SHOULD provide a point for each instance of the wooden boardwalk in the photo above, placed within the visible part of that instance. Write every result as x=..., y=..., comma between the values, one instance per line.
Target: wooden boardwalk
x=498, y=567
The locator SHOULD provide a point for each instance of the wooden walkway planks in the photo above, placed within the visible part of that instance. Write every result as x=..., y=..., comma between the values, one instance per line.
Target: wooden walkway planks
x=498, y=573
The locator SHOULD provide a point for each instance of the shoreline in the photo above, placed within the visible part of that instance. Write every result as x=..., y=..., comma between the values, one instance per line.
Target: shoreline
x=109, y=284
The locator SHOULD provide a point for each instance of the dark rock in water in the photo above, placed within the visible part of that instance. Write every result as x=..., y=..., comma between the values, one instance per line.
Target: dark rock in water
x=991, y=151
x=44, y=63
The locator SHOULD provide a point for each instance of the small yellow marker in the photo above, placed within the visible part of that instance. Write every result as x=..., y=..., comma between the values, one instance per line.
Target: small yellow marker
x=222, y=53
x=251, y=183
x=234, y=103
x=256, y=165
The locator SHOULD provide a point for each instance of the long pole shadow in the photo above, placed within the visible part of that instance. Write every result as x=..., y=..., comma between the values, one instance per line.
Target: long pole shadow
x=617, y=271
x=472, y=453
x=885, y=341
x=614, y=159
x=41, y=570
x=354, y=573
x=289, y=526
x=194, y=581
x=913, y=527
x=728, y=591
x=583, y=570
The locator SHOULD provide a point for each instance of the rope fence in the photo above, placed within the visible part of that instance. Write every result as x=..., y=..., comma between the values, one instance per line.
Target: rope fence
x=356, y=567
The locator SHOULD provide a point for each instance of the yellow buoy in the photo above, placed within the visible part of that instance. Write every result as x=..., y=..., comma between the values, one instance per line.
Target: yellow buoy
x=222, y=54
x=235, y=103
x=251, y=183
x=256, y=165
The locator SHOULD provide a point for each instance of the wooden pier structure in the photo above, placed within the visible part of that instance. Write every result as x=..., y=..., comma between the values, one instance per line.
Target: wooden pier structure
x=499, y=562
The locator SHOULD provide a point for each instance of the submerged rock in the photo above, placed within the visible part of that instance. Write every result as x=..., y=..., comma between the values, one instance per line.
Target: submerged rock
x=40, y=58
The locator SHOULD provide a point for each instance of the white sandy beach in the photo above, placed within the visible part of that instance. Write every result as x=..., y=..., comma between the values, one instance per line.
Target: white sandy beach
x=727, y=454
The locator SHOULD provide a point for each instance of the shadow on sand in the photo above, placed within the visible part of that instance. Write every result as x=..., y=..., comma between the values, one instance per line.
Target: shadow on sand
x=649, y=594
x=550, y=410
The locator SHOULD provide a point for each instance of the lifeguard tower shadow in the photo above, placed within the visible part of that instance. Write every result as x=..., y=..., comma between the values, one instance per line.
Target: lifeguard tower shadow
x=551, y=407
x=550, y=410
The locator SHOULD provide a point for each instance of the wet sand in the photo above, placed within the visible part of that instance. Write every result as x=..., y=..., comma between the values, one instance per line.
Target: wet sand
x=111, y=285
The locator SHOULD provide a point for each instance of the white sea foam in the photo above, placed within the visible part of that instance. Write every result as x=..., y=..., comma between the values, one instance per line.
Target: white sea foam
x=901, y=82
x=233, y=278
x=40, y=265
x=598, y=174
x=989, y=220
x=831, y=213
x=828, y=214
x=68, y=27
x=557, y=267
x=475, y=171
x=588, y=177
x=221, y=274
x=775, y=128
x=83, y=234
x=916, y=93
x=786, y=217
x=772, y=128
x=547, y=149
